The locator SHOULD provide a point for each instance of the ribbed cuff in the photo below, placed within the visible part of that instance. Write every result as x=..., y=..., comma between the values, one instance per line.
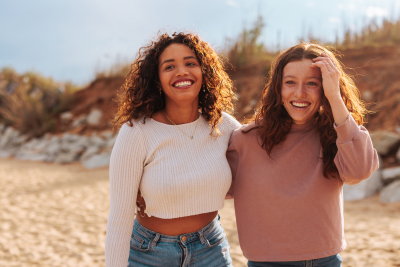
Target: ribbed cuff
x=347, y=130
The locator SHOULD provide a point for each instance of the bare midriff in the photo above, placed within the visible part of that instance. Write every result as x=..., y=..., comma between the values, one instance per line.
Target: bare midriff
x=176, y=226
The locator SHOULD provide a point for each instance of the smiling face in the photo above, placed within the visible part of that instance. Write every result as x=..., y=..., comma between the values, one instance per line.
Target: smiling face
x=180, y=74
x=301, y=90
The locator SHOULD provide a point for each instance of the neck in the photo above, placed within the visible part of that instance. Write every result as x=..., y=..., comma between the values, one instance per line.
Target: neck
x=181, y=114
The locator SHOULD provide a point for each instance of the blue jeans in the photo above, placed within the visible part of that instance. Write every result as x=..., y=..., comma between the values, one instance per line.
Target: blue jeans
x=206, y=247
x=331, y=261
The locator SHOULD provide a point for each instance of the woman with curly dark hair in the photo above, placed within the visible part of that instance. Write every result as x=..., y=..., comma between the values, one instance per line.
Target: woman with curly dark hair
x=289, y=164
x=169, y=159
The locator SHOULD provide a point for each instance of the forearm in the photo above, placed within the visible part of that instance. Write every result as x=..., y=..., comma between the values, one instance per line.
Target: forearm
x=339, y=110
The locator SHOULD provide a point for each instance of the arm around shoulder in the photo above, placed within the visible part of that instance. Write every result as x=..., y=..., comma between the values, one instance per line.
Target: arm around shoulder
x=126, y=168
x=232, y=156
x=356, y=158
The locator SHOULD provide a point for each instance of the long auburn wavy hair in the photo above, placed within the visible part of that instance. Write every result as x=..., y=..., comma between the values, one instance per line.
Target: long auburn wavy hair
x=139, y=96
x=273, y=122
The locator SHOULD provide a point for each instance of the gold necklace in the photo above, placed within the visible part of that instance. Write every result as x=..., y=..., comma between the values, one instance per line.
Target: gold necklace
x=190, y=136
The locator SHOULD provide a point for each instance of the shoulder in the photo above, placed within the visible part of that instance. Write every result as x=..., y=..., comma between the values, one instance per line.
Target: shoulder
x=133, y=130
x=229, y=121
x=244, y=132
x=131, y=139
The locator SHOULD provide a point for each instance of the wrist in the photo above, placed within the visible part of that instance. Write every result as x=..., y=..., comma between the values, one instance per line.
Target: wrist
x=335, y=98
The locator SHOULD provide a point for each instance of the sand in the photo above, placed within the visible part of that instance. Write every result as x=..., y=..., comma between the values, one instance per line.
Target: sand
x=54, y=215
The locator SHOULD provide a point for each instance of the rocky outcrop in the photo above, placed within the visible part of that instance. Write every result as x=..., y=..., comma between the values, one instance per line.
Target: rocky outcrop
x=391, y=193
x=365, y=188
x=384, y=141
x=92, y=151
x=390, y=175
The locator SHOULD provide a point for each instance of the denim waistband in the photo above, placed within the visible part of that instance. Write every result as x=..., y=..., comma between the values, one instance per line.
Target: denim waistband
x=185, y=238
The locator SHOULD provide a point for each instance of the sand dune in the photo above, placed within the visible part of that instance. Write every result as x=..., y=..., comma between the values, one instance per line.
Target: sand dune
x=55, y=215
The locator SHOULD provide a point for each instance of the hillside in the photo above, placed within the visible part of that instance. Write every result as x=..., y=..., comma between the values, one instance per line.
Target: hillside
x=375, y=70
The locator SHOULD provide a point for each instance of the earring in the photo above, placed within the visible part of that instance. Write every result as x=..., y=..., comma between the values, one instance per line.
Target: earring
x=204, y=88
x=160, y=91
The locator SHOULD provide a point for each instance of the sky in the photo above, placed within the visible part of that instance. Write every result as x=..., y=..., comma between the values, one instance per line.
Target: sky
x=71, y=40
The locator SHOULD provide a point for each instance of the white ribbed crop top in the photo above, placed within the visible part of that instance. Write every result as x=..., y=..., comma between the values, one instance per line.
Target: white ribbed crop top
x=177, y=176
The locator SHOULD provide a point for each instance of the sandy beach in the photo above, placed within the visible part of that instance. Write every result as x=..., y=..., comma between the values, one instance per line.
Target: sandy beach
x=53, y=215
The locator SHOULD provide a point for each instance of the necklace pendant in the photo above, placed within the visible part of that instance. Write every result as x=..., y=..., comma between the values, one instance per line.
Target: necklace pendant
x=191, y=137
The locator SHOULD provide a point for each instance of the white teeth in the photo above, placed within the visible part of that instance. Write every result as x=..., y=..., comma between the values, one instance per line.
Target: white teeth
x=300, y=105
x=181, y=84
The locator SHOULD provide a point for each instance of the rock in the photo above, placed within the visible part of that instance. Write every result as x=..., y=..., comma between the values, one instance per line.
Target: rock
x=77, y=148
x=40, y=146
x=389, y=175
x=7, y=137
x=2, y=127
x=97, y=141
x=90, y=151
x=7, y=153
x=53, y=148
x=64, y=158
x=27, y=155
x=384, y=141
x=391, y=193
x=106, y=135
x=398, y=155
x=30, y=145
x=111, y=142
x=66, y=117
x=79, y=121
x=19, y=140
x=364, y=189
x=97, y=161
x=94, y=117
x=67, y=137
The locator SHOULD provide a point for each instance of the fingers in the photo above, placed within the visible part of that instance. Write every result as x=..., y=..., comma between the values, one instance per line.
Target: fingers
x=325, y=57
x=322, y=65
x=330, y=64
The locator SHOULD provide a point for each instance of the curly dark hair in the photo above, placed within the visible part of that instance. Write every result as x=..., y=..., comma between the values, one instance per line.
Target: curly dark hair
x=273, y=122
x=139, y=96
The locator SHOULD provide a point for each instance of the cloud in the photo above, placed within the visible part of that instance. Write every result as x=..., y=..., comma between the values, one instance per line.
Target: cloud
x=334, y=20
x=373, y=11
x=232, y=3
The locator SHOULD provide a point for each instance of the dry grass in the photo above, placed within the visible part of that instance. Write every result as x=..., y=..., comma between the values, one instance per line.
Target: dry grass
x=31, y=102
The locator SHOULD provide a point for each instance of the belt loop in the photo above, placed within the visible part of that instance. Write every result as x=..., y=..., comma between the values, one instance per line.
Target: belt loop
x=201, y=235
x=155, y=240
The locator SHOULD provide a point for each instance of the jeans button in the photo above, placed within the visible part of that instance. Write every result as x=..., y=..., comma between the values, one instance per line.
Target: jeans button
x=183, y=238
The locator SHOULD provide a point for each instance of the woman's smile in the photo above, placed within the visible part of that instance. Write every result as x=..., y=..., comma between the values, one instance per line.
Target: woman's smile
x=183, y=83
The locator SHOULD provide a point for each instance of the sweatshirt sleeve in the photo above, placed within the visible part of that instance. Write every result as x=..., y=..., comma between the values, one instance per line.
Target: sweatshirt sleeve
x=126, y=168
x=356, y=158
x=233, y=159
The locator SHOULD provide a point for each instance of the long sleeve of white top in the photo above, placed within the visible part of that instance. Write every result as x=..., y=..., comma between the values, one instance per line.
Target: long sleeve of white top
x=125, y=174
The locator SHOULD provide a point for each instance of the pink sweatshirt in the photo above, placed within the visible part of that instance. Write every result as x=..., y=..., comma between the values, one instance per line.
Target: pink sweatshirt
x=286, y=210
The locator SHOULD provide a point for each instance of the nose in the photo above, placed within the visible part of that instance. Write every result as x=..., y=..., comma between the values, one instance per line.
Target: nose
x=182, y=71
x=300, y=91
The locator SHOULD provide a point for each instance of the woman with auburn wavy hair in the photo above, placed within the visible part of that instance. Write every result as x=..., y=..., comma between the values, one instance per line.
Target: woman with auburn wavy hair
x=169, y=159
x=289, y=164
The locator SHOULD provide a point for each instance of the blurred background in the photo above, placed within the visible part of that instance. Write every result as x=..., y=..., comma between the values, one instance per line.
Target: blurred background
x=62, y=62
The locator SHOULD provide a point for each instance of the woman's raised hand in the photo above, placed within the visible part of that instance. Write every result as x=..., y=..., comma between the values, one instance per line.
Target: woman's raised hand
x=330, y=83
x=330, y=76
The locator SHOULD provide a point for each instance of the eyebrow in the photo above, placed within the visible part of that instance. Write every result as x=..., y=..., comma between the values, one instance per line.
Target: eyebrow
x=171, y=60
x=312, y=77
